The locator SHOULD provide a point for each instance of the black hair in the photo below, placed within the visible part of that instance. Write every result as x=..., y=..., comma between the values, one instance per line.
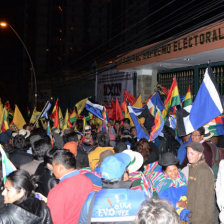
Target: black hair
x=126, y=120
x=40, y=148
x=48, y=157
x=21, y=179
x=19, y=142
x=103, y=139
x=72, y=136
x=64, y=157
x=120, y=147
x=201, y=130
x=165, y=167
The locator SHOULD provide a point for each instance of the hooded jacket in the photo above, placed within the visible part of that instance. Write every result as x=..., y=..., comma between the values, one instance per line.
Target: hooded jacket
x=30, y=211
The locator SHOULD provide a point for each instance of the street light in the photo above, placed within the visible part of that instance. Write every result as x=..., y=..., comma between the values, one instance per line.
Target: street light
x=4, y=25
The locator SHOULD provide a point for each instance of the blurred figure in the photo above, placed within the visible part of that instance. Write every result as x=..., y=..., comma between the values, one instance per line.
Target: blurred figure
x=157, y=211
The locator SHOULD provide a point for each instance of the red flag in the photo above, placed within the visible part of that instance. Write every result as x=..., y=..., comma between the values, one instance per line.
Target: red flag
x=131, y=99
x=123, y=105
x=113, y=107
x=110, y=112
x=118, y=112
x=164, y=90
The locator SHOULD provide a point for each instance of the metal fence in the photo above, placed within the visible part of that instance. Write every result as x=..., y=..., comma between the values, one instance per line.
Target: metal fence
x=192, y=76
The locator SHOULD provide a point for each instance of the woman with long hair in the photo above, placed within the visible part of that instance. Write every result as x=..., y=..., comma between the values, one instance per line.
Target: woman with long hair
x=20, y=205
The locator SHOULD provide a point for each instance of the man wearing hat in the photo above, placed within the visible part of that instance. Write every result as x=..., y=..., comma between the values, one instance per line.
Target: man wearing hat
x=200, y=187
x=115, y=202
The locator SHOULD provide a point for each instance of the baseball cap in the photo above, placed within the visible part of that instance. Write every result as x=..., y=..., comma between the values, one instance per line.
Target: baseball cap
x=113, y=167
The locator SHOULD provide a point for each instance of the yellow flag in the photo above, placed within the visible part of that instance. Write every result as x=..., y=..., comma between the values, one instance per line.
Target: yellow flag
x=35, y=116
x=81, y=105
x=138, y=102
x=127, y=115
x=61, y=119
x=18, y=119
x=66, y=120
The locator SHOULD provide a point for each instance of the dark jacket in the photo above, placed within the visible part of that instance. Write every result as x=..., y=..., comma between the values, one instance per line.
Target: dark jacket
x=31, y=211
x=46, y=180
x=201, y=193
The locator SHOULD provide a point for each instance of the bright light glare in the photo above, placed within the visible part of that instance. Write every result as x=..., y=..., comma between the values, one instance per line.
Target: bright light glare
x=3, y=24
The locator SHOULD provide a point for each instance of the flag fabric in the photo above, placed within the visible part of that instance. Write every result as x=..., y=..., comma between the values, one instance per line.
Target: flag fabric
x=104, y=123
x=7, y=165
x=113, y=109
x=187, y=98
x=5, y=121
x=18, y=121
x=95, y=109
x=138, y=102
x=127, y=96
x=118, y=112
x=156, y=101
x=139, y=130
x=45, y=110
x=66, y=120
x=110, y=112
x=207, y=106
x=173, y=99
x=216, y=126
x=149, y=119
x=72, y=118
x=61, y=119
x=127, y=115
x=157, y=127
x=54, y=115
x=123, y=105
x=28, y=112
x=81, y=105
x=9, y=109
x=35, y=116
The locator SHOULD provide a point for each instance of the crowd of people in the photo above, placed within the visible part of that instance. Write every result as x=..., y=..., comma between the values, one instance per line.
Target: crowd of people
x=86, y=175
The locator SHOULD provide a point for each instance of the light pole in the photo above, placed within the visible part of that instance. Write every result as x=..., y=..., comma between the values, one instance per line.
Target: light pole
x=3, y=25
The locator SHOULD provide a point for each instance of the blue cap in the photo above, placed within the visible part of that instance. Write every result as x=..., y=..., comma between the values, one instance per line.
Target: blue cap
x=113, y=167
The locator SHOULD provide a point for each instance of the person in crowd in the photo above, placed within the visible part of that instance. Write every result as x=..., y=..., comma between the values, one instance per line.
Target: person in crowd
x=169, y=182
x=156, y=211
x=115, y=202
x=20, y=205
x=198, y=136
x=39, y=149
x=19, y=155
x=220, y=190
x=65, y=200
x=1, y=182
x=200, y=187
x=103, y=144
x=148, y=150
x=46, y=180
x=182, y=151
x=87, y=144
x=5, y=136
x=72, y=147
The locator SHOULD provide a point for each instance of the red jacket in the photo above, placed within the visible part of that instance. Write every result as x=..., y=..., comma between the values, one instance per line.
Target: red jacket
x=65, y=200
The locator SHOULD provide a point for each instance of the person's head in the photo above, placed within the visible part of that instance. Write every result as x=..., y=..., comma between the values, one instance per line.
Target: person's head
x=126, y=122
x=117, y=125
x=120, y=147
x=185, y=138
x=156, y=211
x=63, y=163
x=169, y=165
x=48, y=157
x=133, y=131
x=194, y=152
x=19, y=142
x=40, y=147
x=70, y=136
x=103, y=139
x=18, y=187
x=113, y=167
x=198, y=135
x=144, y=148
